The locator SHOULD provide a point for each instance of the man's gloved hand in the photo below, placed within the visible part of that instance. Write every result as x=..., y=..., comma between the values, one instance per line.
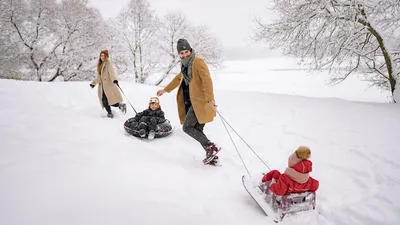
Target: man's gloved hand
x=115, y=82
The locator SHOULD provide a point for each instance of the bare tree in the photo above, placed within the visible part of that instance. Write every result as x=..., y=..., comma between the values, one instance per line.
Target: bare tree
x=137, y=25
x=49, y=39
x=10, y=59
x=207, y=46
x=118, y=49
x=61, y=39
x=33, y=23
x=175, y=26
x=81, y=33
x=349, y=36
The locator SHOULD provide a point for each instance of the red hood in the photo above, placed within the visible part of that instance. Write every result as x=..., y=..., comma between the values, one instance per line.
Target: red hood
x=304, y=166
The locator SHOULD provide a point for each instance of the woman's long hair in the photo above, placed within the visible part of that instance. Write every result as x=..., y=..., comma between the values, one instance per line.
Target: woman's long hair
x=100, y=62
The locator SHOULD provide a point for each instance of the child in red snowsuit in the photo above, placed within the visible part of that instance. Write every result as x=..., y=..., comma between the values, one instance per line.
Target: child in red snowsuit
x=296, y=178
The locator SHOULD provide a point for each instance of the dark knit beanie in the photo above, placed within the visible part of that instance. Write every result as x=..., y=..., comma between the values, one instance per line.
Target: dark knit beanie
x=183, y=44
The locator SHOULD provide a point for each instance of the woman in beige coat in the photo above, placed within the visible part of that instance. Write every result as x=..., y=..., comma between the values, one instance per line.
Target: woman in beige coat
x=108, y=92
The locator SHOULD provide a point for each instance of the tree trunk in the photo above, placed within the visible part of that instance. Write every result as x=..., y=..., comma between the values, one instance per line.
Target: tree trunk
x=388, y=60
x=386, y=55
x=142, y=75
x=135, y=66
x=38, y=76
x=171, y=66
x=162, y=79
x=55, y=75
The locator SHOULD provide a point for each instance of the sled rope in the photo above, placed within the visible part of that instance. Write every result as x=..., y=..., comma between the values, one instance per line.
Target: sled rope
x=224, y=121
x=244, y=164
x=126, y=98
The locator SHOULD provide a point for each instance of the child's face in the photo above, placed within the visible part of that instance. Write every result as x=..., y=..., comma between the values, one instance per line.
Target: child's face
x=153, y=106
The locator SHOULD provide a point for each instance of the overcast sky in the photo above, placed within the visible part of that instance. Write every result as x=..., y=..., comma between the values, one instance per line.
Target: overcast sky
x=229, y=20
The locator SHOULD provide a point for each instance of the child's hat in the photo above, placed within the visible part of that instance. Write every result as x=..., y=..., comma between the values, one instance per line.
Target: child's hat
x=303, y=152
x=154, y=100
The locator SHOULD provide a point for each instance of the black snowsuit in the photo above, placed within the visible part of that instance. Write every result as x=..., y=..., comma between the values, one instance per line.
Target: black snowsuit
x=148, y=119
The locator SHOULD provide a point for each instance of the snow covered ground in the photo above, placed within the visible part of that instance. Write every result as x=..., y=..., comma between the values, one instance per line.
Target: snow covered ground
x=63, y=162
x=282, y=75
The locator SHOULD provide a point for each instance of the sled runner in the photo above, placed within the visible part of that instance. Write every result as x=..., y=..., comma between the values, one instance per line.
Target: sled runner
x=274, y=206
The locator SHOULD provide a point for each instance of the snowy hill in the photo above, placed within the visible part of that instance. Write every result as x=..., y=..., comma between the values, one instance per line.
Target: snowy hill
x=63, y=162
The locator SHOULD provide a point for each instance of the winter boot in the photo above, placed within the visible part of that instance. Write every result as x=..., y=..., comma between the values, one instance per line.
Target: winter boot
x=142, y=125
x=214, y=162
x=110, y=115
x=142, y=133
x=122, y=107
x=211, y=149
x=151, y=135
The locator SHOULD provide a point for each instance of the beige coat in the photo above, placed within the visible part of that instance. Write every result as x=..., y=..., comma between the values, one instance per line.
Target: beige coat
x=105, y=80
x=200, y=91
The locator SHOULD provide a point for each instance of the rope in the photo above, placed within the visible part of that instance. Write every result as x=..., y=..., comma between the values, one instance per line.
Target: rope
x=244, y=164
x=126, y=98
x=223, y=119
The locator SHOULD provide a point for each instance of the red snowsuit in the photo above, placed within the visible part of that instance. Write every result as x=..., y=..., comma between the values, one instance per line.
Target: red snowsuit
x=286, y=183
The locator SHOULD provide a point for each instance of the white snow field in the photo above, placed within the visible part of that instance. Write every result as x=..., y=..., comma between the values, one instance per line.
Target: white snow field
x=282, y=75
x=63, y=162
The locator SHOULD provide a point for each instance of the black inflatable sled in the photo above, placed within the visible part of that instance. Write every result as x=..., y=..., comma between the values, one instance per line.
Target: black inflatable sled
x=163, y=129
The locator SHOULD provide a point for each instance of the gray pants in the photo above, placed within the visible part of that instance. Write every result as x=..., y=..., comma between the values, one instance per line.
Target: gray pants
x=192, y=127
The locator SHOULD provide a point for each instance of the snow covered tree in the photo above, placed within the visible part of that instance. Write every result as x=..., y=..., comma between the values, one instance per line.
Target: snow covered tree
x=81, y=32
x=137, y=25
x=350, y=36
x=10, y=52
x=32, y=24
x=206, y=45
x=174, y=26
x=117, y=48
x=49, y=39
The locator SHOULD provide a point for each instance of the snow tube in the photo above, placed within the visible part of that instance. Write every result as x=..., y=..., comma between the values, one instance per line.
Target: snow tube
x=163, y=129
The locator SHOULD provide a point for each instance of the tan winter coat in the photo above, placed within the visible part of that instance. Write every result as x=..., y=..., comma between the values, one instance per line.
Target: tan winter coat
x=200, y=91
x=105, y=80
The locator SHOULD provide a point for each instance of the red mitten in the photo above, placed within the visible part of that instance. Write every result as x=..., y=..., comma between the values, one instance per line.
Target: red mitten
x=271, y=174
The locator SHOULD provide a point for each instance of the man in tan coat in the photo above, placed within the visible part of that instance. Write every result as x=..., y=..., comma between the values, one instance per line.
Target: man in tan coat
x=108, y=91
x=195, y=97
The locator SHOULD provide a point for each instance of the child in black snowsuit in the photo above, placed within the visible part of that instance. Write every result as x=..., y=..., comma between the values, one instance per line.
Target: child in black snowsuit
x=149, y=118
